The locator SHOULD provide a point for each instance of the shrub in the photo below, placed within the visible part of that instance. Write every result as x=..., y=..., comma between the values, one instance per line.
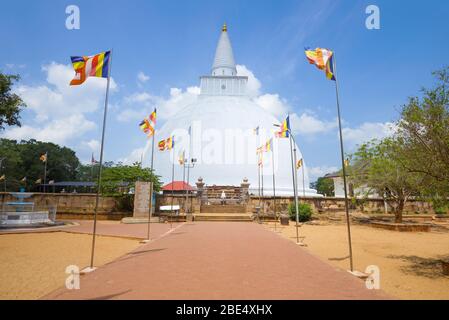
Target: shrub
x=305, y=212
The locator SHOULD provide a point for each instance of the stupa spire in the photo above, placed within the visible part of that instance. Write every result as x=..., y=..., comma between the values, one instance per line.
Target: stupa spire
x=224, y=64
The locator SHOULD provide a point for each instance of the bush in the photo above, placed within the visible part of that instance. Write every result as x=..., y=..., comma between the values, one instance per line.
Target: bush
x=305, y=212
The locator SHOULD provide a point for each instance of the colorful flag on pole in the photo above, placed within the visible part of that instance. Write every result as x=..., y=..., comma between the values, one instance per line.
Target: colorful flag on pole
x=92, y=160
x=93, y=66
x=284, y=131
x=347, y=162
x=24, y=179
x=147, y=125
x=3, y=177
x=256, y=131
x=260, y=159
x=182, y=158
x=167, y=144
x=323, y=60
x=269, y=146
x=39, y=181
x=299, y=164
x=43, y=157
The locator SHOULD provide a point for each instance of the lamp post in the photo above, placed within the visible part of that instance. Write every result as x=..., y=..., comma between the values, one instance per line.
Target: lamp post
x=189, y=165
x=4, y=180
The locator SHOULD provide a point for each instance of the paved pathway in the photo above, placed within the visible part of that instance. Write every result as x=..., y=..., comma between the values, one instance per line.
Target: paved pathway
x=219, y=261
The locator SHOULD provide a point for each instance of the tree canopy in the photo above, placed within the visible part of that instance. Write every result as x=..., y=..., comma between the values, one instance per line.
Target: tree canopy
x=324, y=186
x=10, y=103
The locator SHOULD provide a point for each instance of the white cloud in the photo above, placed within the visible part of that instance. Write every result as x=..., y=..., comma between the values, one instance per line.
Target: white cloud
x=58, y=109
x=134, y=156
x=142, y=77
x=254, y=85
x=320, y=171
x=93, y=145
x=308, y=124
x=367, y=131
x=59, y=131
x=273, y=104
x=141, y=104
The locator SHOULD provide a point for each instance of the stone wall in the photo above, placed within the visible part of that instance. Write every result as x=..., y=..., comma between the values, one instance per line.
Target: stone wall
x=81, y=206
x=322, y=205
x=73, y=205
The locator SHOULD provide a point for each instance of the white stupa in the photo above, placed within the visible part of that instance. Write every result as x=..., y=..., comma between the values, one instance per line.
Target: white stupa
x=222, y=139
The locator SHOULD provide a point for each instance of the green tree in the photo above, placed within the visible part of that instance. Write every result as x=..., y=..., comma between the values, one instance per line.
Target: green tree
x=377, y=169
x=423, y=131
x=124, y=176
x=22, y=160
x=324, y=186
x=10, y=103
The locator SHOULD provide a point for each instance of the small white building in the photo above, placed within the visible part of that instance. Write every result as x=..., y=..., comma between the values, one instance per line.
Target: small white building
x=339, y=191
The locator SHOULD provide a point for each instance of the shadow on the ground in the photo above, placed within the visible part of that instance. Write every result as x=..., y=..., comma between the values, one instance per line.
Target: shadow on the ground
x=110, y=296
x=423, y=267
x=338, y=258
x=135, y=253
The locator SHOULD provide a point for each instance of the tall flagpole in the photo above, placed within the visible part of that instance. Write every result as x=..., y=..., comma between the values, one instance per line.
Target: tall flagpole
x=261, y=187
x=295, y=184
x=150, y=213
x=189, y=159
x=274, y=187
x=348, y=222
x=172, y=183
x=45, y=169
x=97, y=198
x=260, y=199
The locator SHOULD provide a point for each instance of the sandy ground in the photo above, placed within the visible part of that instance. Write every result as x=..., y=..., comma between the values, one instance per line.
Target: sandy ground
x=33, y=265
x=409, y=263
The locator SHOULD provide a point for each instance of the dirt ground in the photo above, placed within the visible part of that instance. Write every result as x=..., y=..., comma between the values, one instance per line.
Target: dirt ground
x=409, y=263
x=34, y=264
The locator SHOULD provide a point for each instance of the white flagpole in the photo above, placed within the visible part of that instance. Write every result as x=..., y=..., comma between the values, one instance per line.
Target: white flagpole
x=295, y=183
x=101, y=161
x=45, y=169
x=348, y=222
x=150, y=213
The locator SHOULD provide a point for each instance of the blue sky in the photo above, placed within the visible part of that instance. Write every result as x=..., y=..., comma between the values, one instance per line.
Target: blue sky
x=173, y=43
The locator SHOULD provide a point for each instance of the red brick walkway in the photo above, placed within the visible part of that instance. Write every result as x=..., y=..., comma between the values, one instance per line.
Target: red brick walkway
x=219, y=261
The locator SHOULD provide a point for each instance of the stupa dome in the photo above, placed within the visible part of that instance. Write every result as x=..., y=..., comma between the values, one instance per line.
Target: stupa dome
x=218, y=131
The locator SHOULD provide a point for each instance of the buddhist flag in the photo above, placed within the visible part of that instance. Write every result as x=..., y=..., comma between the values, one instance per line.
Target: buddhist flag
x=256, y=131
x=3, y=177
x=323, y=59
x=24, y=179
x=93, y=66
x=51, y=182
x=269, y=145
x=284, y=131
x=260, y=159
x=182, y=158
x=347, y=163
x=92, y=160
x=147, y=125
x=299, y=164
x=43, y=157
x=38, y=181
x=167, y=144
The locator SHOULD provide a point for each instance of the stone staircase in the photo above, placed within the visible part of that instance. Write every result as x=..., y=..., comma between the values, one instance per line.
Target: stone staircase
x=229, y=208
x=224, y=217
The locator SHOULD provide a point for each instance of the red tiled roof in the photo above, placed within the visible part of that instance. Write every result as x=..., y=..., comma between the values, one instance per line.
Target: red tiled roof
x=177, y=186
